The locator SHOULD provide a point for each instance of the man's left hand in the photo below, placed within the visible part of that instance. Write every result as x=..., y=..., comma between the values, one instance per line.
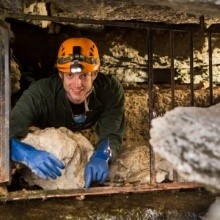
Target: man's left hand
x=96, y=171
x=97, y=168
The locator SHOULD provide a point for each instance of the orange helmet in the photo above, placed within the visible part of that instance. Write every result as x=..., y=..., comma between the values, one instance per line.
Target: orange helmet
x=78, y=55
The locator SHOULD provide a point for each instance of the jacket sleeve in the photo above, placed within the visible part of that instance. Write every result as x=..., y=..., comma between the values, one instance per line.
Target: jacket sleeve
x=25, y=113
x=111, y=124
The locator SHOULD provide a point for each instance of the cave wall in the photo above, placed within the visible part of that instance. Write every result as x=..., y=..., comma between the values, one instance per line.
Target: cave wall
x=170, y=11
x=123, y=51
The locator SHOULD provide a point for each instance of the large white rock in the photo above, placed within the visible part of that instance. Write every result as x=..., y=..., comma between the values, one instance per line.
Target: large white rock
x=189, y=139
x=73, y=149
x=214, y=211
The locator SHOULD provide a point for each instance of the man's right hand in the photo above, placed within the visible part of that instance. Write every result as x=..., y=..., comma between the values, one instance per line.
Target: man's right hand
x=42, y=163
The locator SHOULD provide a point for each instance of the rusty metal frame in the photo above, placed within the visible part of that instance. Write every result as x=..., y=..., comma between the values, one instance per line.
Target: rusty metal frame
x=105, y=190
x=4, y=103
x=149, y=26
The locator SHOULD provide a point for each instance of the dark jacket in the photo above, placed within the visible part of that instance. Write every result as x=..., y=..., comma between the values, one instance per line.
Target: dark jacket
x=45, y=104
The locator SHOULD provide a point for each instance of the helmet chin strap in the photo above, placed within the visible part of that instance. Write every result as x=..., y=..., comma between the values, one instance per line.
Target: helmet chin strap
x=86, y=102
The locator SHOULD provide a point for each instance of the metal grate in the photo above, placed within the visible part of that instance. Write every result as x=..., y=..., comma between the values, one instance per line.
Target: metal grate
x=190, y=31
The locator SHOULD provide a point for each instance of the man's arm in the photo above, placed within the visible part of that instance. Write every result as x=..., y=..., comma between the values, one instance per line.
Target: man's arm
x=110, y=130
x=28, y=112
x=111, y=124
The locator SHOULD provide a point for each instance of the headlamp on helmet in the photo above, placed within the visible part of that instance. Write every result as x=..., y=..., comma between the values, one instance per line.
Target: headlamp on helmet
x=76, y=67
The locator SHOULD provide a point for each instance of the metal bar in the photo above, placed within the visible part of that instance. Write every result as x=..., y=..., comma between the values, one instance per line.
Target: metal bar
x=175, y=176
x=150, y=101
x=210, y=67
x=172, y=68
x=192, y=101
x=105, y=190
x=114, y=23
x=5, y=95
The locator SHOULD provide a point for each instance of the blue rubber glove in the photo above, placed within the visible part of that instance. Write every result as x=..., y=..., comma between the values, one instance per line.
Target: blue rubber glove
x=96, y=169
x=42, y=163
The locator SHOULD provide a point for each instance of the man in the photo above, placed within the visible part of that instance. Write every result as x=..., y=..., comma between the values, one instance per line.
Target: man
x=77, y=98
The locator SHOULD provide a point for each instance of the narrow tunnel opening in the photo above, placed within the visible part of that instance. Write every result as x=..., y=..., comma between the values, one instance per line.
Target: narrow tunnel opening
x=124, y=53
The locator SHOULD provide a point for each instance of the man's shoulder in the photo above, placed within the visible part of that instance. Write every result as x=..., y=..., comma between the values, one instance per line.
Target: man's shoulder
x=50, y=83
x=108, y=90
x=107, y=82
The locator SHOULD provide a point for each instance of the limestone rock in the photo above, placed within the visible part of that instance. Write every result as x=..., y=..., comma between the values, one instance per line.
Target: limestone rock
x=163, y=169
x=38, y=8
x=213, y=212
x=15, y=75
x=188, y=138
x=73, y=149
x=3, y=191
x=131, y=166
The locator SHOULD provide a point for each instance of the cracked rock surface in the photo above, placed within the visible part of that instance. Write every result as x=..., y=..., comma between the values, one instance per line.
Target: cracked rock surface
x=188, y=138
x=73, y=149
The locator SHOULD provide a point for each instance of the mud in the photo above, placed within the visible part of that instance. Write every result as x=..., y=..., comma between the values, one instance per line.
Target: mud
x=169, y=205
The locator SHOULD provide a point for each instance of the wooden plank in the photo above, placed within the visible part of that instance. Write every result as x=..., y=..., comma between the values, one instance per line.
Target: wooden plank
x=105, y=190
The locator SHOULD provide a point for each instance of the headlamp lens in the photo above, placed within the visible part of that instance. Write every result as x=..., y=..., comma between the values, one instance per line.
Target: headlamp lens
x=76, y=67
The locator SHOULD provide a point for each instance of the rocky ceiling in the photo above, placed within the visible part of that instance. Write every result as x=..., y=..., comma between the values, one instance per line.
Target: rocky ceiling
x=167, y=11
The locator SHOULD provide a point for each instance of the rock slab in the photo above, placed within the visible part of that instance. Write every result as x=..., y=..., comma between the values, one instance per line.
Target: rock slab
x=73, y=149
x=188, y=138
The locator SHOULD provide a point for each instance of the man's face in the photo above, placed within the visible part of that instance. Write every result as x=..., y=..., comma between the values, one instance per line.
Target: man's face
x=77, y=85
